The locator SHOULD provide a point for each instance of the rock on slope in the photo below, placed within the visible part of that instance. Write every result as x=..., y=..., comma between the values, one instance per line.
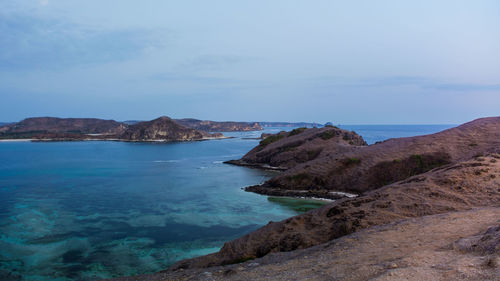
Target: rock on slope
x=356, y=169
x=163, y=129
x=214, y=126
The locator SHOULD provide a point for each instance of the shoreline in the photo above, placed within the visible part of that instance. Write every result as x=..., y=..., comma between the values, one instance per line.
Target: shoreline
x=254, y=165
x=262, y=189
x=117, y=140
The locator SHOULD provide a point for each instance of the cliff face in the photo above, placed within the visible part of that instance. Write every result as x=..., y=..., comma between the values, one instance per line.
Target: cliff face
x=356, y=169
x=163, y=129
x=43, y=127
x=454, y=187
x=213, y=126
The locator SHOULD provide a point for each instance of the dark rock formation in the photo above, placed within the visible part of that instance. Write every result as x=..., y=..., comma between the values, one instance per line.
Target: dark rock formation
x=213, y=126
x=163, y=129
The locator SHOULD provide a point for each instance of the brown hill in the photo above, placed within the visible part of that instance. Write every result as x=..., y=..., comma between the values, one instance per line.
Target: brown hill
x=41, y=127
x=356, y=169
x=214, y=126
x=164, y=129
x=286, y=150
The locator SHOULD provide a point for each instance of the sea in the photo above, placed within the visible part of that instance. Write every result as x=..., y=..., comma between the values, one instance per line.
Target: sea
x=87, y=210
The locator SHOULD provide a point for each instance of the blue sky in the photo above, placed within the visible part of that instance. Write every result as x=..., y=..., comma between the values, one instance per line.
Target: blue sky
x=348, y=62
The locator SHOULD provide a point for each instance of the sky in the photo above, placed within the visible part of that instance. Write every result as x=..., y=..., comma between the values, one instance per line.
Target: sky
x=346, y=62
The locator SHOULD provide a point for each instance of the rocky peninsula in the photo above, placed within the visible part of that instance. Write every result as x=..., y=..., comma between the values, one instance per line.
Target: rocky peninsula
x=427, y=207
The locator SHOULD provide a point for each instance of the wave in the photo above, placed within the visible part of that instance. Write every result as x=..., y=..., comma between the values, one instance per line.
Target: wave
x=167, y=161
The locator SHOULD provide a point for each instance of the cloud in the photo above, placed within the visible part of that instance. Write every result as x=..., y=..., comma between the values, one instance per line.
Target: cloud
x=44, y=2
x=34, y=43
x=423, y=83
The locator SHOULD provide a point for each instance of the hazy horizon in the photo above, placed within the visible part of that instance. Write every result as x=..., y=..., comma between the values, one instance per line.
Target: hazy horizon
x=361, y=62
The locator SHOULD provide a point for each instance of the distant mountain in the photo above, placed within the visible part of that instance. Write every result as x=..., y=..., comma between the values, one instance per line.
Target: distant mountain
x=164, y=129
x=52, y=127
x=4, y=123
x=289, y=124
x=66, y=129
x=214, y=126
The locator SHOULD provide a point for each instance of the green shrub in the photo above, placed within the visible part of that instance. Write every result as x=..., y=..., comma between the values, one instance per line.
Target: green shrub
x=328, y=135
x=312, y=154
x=350, y=161
x=296, y=131
x=387, y=172
x=271, y=139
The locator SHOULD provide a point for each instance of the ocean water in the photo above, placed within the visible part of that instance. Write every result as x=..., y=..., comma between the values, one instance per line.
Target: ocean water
x=89, y=210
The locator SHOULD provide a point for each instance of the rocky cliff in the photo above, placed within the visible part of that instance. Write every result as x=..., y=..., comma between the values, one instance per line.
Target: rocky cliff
x=214, y=126
x=164, y=129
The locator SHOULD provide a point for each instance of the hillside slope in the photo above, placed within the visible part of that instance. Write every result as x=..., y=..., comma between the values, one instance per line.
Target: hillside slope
x=454, y=187
x=357, y=169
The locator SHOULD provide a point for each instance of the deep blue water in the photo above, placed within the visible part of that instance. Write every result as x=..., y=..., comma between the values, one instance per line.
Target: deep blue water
x=86, y=210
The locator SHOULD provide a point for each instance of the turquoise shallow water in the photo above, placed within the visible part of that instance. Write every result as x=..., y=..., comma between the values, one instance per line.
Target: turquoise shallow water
x=87, y=210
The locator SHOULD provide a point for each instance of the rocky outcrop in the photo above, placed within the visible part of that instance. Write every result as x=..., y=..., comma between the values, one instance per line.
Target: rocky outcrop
x=164, y=129
x=286, y=150
x=357, y=169
x=214, y=126
x=453, y=187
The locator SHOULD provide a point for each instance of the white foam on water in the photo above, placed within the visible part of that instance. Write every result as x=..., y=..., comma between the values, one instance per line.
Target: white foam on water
x=167, y=161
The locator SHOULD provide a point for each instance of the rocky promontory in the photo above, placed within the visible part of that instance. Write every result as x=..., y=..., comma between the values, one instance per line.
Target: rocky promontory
x=286, y=150
x=358, y=168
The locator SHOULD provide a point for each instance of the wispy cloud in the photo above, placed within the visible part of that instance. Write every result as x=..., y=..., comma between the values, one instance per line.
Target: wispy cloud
x=424, y=83
x=33, y=43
